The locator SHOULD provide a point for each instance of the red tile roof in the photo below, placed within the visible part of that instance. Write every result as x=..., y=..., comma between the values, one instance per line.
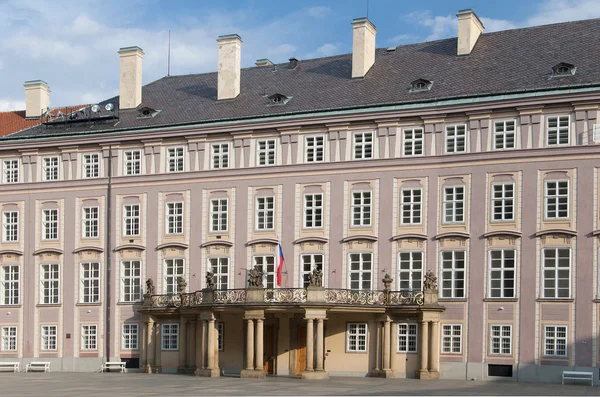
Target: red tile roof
x=14, y=121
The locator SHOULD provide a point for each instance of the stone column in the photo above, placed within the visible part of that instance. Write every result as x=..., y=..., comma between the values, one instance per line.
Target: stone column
x=394, y=347
x=149, y=349
x=423, y=350
x=182, y=345
x=204, y=343
x=158, y=346
x=259, y=345
x=192, y=351
x=434, y=357
x=386, y=345
x=378, y=346
x=211, y=344
x=310, y=335
x=319, y=366
x=250, y=345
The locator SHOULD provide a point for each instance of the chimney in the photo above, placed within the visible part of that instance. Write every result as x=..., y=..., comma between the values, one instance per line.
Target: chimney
x=293, y=63
x=130, y=81
x=469, y=29
x=230, y=53
x=37, y=98
x=363, y=46
x=263, y=62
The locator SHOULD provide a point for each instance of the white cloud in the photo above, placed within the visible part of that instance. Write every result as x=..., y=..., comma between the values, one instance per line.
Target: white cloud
x=403, y=39
x=319, y=11
x=7, y=104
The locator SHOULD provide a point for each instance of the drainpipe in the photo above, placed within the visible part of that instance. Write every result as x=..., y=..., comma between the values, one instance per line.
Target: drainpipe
x=108, y=293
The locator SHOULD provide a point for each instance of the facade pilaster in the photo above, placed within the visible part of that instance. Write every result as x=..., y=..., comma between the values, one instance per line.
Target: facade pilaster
x=182, y=346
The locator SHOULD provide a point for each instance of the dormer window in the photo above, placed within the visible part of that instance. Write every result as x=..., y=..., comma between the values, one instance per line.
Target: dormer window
x=279, y=99
x=420, y=85
x=563, y=69
x=146, y=112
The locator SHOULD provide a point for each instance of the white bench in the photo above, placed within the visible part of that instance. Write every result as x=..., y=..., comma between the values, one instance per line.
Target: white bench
x=578, y=375
x=114, y=364
x=8, y=365
x=38, y=366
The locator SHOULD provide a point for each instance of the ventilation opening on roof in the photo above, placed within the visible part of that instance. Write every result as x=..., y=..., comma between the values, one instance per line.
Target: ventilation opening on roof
x=278, y=99
x=420, y=85
x=390, y=49
x=146, y=112
x=563, y=69
x=293, y=63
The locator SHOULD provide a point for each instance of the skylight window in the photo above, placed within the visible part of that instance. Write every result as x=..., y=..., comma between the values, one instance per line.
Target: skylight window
x=420, y=85
x=146, y=112
x=279, y=99
x=563, y=69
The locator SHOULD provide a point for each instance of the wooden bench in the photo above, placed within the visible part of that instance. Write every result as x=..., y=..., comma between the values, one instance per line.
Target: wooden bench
x=9, y=365
x=114, y=365
x=38, y=366
x=578, y=375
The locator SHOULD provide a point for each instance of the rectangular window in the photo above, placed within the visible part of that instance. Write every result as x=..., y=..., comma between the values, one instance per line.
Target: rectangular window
x=556, y=200
x=133, y=162
x=558, y=131
x=220, y=155
x=410, y=273
x=454, y=204
x=361, y=208
x=413, y=142
x=130, y=336
x=266, y=152
x=90, y=222
x=9, y=285
x=89, y=291
x=315, y=149
x=11, y=171
x=48, y=337
x=504, y=135
x=50, y=225
x=50, y=170
x=267, y=265
x=219, y=215
x=91, y=165
x=557, y=273
x=173, y=271
x=131, y=281
x=313, y=211
x=410, y=204
x=555, y=341
x=265, y=213
x=452, y=339
x=170, y=336
x=502, y=273
x=220, y=336
x=356, y=337
x=453, y=274
x=456, y=139
x=175, y=159
x=359, y=274
x=174, y=218
x=131, y=220
x=49, y=283
x=503, y=202
x=220, y=270
x=9, y=339
x=89, y=337
x=309, y=263
x=407, y=338
x=501, y=339
x=10, y=224
x=363, y=145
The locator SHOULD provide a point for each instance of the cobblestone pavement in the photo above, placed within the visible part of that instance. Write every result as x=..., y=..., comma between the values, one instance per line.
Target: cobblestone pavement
x=62, y=384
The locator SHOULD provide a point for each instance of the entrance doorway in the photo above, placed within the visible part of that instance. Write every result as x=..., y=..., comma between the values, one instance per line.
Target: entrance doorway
x=269, y=350
x=300, y=350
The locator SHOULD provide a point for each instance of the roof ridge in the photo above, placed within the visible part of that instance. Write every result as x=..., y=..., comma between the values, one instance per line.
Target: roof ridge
x=540, y=26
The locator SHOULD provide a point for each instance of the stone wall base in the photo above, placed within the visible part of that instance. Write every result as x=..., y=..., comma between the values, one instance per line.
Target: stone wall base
x=384, y=373
x=209, y=373
x=253, y=373
x=428, y=375
x=315, y=375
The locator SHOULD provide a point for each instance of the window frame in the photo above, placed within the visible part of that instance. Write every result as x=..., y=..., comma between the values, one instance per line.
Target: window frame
x=51, y=226
x=89, y=286
x=173, y=158
x=220, y=159
x=10, y=338
x=265, y=213
x=313, y=263
x=557, y=197
x=48, y=337
x=89, y=340
x=219, y=275
x=169, y=337
x=91, y=168
x=413, y=142
x=452, y=338
x=220, y=214
x=132, y=281
x=51, y=167
x=10, y=289
x=558, y=118
x=452, y=204
x=130, y=340
x=171, y=281
x=54, y=284
x=503, y=202
x=131, y=165
x=453, y=270
x=314, y=212
x=363, y=145
x=89, y=223
x=174, y=220
x=10, y=227
x=411, y=334
x=500, y=340
x=314, y=148
x=411, y=270
x=10, y=173
x=556, y=268
x=130, y=221
x=264, y=265
x=266, y=152
x=555, y=339
x=361, y=207
x=504, y=133
x=411, y=206
x=364, y=335
x=220, y=325
x=455, y=139
x=360, y=271
x=502, y=269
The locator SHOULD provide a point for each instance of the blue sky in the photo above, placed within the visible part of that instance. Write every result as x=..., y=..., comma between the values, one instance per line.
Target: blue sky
x=73, y=44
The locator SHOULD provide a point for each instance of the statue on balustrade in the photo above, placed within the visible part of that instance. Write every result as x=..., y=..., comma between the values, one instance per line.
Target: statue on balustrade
x=315, y=278
x=210, y=280
x=150, y=287
x=430, y=282
x=255, y=277
x=181, y=285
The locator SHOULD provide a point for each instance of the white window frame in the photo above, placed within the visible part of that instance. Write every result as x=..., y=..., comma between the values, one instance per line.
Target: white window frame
x=411, y=204
x=556, y=269
x=132, y=220
x=413, y=142
x=220, y=277
x=169, y=336
x=174, y=268
x=502, y=270
x=266, y=152
x=50, y=224
x=264, y=211
x=10, y=285
x=175, y=159
x=313, y=147
x=557, y=200
x=91, y=165
x=356, y=337
x=11, y=171
x=360, y=208
x=364, y=274
x=89, y=282
x=90, y=227
x=312, y=261
x=500, y=340
x=220, y=336
x=131, y=278
x=49, y=338
x=132, y=162
x=450, y=340
x=174, y=218
x=89, y=337
x=130, y=336
x=264, y=262
x=502, y=201
x=50, y=283
x=220, y=156
x=454, y=135
x=413, y=275
x=10, y=226
x=407, y=337
x=9, y=338
x=457, y=215
x=363, y=147
x=219, y=217
x=503, y=133
x=551, y=342
x=452, y=272
x=313, y=211
x=557, y=130
x=50, y=171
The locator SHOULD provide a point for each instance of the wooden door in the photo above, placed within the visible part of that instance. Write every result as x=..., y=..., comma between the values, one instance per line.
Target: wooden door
x=269, y=349
x=300, y=350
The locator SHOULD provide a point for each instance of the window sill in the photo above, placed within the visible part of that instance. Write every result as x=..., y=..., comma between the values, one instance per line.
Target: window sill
x=452, y=299
x=129, y=303
x=501, y=299
x=48, y=305
x=10, y=306
x=555, y=300
x=89, y=304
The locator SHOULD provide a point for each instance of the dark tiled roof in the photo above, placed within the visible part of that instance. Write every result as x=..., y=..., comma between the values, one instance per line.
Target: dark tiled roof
x=501, y=62
x=15, y=120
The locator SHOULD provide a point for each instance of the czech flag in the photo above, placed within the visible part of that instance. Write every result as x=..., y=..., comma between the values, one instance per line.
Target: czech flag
x=280, y=264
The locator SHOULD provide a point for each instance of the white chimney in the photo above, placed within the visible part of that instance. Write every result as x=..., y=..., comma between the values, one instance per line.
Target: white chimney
x=37, y=98
x=469, y=29
x=130, y=77
x=363, y=46
x=230, y=54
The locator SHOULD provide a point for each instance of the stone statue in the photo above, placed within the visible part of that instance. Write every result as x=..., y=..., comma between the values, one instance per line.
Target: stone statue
x=430, y=282
x=210, y=280
x=255, y=277
x=315, y=278
x=150, y=286
x=181, y=285
x=387, y=281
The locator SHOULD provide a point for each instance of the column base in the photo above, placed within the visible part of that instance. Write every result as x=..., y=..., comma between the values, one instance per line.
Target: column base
x=428, y=375
x=253, y=373
x=208, y=373
x=315, y=375
x=151, y=369
x=383, y=373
